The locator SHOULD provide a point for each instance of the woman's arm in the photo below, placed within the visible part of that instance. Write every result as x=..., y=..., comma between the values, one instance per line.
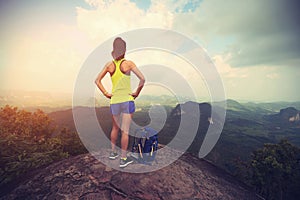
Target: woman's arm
x=99, y=83
x=139, y=74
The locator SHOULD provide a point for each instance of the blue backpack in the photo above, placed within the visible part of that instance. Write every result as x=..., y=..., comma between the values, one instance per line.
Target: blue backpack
x=145, y=145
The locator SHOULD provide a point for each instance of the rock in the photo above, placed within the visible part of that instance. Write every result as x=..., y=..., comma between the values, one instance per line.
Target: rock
x=84, y=177
x=287, y=117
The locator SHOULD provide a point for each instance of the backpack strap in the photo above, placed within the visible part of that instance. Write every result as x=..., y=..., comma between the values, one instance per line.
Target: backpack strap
x=140, y=150
x=152, y=149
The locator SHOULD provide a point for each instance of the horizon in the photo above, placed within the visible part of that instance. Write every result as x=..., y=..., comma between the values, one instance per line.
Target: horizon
x=61, y=99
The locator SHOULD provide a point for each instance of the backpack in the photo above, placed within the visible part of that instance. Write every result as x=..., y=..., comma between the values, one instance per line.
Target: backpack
x=145, y=145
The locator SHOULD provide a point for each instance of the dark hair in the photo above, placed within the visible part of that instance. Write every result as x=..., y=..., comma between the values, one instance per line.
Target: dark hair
x=119, y=48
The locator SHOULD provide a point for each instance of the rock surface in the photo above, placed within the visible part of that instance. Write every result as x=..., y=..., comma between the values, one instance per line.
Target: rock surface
x=84, y=177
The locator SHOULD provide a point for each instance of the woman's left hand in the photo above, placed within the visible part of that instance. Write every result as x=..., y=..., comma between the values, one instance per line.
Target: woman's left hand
x=134, y=95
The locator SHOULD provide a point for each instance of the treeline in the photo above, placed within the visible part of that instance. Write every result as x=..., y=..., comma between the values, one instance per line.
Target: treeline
x=29, y=140
x=274, y=171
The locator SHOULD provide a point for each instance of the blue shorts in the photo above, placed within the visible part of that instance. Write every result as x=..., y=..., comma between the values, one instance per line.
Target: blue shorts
x=124, y=107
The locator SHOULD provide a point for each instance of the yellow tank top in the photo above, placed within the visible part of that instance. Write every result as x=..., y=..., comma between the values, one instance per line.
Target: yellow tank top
x=121, y=86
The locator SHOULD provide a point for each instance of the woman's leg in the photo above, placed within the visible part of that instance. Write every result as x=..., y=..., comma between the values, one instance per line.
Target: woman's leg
x=126, y=121
x=114, y=131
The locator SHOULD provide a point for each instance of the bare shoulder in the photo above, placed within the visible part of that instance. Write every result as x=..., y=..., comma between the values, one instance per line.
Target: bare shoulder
x=129, y=64
x=109, y=66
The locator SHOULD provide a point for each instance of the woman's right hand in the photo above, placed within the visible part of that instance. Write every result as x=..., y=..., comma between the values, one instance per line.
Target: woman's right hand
x=108, y=95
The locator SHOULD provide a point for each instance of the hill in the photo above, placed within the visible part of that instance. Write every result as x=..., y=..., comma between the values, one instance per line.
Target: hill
x=285, y=118
x=84, y=177
x=273, y=106
x=246, y=128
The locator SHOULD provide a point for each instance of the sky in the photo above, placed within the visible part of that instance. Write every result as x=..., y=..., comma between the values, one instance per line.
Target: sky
x=254, y=45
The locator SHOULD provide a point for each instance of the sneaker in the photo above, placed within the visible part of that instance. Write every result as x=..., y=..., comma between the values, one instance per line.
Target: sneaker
x=113, y=156
x=125, y=162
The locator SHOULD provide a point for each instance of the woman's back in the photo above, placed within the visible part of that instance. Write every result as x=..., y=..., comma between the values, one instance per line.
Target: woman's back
x=121, y=90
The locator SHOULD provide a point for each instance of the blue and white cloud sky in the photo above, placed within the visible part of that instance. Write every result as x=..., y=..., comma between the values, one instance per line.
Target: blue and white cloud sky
x=255, y=44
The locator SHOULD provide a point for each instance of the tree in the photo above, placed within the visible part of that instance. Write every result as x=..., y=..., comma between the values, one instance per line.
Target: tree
x=71, y=142
x=27, y=141
x=36, y=125
x=274, y=170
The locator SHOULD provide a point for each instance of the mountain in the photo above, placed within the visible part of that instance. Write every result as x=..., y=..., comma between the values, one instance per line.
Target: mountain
x=236, y=106
x=245, y=129
x=249, y=131
x=286, y=117
x=186, y=116
x=31, y=100
x=84, y=177
x=273, y=106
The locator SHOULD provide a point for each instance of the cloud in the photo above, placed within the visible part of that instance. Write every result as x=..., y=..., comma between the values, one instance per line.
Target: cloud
x=273, y=76
x=263, y=32
x=267, y=83
x=226, y=70
x=108, y=18
x=46, y=59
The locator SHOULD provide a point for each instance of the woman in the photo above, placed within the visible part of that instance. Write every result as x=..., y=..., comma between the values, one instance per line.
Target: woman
x=121, y=98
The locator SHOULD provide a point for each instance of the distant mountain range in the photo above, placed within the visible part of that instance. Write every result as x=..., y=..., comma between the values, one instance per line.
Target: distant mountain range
x=52, y=101
x=247, y=127
x=35, y=99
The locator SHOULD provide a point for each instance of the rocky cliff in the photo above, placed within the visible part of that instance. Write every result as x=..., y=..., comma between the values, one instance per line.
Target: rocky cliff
x=84, y=177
